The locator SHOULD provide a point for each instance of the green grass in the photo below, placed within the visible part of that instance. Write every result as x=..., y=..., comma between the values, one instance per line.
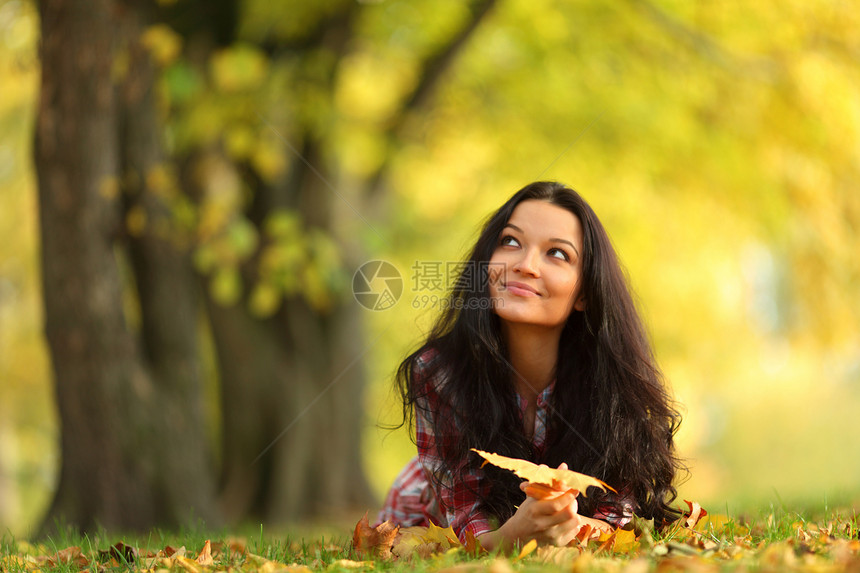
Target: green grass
x=773, y=540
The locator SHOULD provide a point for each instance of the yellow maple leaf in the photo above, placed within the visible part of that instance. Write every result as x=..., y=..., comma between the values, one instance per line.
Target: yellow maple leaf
x=557, y=479
x=527, y=549
x=625, y=541
x=443, y=536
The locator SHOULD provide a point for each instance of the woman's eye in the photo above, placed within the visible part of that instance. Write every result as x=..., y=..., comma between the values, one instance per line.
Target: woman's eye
x=508, y=240
x=558, y=253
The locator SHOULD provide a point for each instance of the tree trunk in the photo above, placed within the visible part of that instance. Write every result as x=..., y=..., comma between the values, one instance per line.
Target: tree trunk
x=118, y=427
x=292, y=387
x=166, y=284
x=303, y=396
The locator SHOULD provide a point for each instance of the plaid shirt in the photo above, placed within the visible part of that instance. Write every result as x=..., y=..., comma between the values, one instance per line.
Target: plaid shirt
x=416, y=500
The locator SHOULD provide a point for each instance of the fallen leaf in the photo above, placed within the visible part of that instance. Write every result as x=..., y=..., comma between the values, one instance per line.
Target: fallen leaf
x=584, y=534
x=374, y=541
x=697, y=512
x=527, y=548
x=187, y=564
x=445, y=537
x=607, y=542
x=67, y=556
x=205, y=556
x=473, y=546
x=408, y=540
x=562, y=480
x=171, y=551
x=625, y=541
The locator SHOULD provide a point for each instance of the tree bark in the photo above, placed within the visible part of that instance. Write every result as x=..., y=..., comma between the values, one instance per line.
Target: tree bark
x=119, y=442
x=292, y=389
x=166, y=284
x=303, y=455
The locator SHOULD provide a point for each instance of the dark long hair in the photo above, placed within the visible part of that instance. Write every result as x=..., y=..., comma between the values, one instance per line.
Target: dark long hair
x=610, y=415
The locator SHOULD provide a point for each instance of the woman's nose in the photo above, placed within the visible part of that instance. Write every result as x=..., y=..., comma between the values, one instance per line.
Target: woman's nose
x=528, y=263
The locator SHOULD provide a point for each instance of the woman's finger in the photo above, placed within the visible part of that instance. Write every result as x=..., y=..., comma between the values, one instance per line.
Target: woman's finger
x=543, y=491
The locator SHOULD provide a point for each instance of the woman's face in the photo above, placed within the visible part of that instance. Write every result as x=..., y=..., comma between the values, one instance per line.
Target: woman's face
x=536, y=267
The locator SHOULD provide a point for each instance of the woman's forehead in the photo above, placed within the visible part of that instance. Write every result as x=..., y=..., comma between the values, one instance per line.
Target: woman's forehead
x=543, y=218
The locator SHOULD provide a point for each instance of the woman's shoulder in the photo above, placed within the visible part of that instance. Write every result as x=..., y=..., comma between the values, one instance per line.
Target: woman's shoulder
x=428, y=370
x=425, y=359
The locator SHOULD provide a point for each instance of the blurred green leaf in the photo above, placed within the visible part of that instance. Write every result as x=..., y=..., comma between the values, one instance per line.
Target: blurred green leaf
x=181, y=83
x=225, y=286
x=242, y=237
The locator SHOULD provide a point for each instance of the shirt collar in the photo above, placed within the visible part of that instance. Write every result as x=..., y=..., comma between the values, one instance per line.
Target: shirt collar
x=542, y=398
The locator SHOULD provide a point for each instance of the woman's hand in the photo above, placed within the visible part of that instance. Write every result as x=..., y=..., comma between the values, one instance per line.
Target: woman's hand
x=550, y=521
x=549, y=515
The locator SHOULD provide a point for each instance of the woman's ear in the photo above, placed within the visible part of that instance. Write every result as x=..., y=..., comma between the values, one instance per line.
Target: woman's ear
x=579, y=304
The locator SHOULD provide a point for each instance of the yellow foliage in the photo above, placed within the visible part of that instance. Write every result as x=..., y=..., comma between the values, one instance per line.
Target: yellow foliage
x=264, y=300
x=240, y=67
x=161, y=180
x=268, y=159
x=163, y=43
x=225, y=286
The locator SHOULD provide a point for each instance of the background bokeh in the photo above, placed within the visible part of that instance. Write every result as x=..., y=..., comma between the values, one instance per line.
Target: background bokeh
x=718, y=142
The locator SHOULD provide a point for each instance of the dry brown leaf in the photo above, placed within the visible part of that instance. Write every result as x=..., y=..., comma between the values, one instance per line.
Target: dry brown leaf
x=562, y=480
x=171, y=551
x=67, y=556
x=585, y=533
x=473, y=546
x=374, y=541
x=697, y=512
x=205, y=555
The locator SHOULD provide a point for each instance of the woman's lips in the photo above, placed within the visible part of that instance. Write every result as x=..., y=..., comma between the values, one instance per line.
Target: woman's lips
x=521, y=289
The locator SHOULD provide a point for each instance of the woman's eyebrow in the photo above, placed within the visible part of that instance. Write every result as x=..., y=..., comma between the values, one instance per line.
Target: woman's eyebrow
x=572, y=246
x=552, y=239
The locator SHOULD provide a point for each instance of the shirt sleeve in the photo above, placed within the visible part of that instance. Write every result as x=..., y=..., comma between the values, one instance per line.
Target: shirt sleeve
x=458, y=495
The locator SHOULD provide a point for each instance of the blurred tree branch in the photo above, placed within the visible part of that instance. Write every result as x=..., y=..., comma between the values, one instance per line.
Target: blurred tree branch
x=764, y=69
x=433, y=69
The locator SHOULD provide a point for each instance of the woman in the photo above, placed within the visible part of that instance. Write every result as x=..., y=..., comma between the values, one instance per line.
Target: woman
x=557, y=369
